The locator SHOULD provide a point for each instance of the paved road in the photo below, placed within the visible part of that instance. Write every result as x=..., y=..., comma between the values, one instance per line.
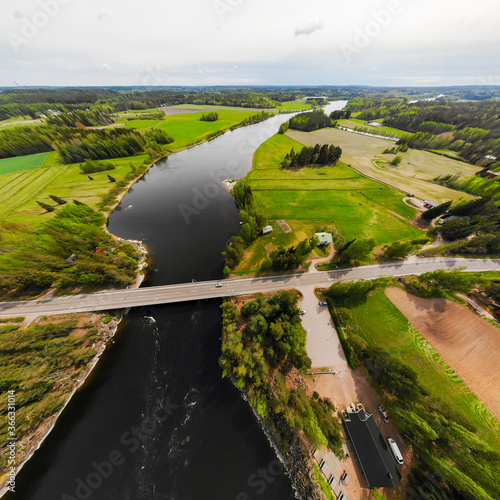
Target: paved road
x=119, y=299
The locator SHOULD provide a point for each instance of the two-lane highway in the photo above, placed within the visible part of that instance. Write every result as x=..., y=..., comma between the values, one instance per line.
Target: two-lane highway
x=120, y=299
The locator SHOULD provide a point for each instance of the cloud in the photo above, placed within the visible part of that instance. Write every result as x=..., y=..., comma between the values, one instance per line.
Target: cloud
x=309, y=27
x=184, y=37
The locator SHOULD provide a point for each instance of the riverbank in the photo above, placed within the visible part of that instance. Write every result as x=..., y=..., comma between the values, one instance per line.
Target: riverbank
x=263, y=353
x=107, y=326
x=70, y=380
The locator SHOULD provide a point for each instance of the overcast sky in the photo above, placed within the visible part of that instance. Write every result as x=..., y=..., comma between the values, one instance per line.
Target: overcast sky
x=249, y=42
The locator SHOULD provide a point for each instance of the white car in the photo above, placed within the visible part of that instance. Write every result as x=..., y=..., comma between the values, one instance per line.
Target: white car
x=218, y=285
x=323, y=303
x=302, y=312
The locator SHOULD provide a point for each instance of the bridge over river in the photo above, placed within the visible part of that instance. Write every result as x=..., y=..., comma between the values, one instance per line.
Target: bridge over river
x=122, y=299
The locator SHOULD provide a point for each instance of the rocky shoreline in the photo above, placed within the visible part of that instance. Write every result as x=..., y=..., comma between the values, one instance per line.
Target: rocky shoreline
x=32, y=442
x=291, y=451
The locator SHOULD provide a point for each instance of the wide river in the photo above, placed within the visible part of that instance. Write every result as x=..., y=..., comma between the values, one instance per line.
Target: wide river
x=155, y=420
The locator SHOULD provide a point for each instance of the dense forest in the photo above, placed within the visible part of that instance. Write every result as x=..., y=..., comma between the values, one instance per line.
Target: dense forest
x=326, y=154
x=75, y=145
x=471, y=128
x=259, y=356
x=40, y=259
x=307, y=122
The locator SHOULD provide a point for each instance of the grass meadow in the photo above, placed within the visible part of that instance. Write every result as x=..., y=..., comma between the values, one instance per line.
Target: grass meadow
x=415, y=174
x=321, y=197
x=378, y=321
x=20, y=191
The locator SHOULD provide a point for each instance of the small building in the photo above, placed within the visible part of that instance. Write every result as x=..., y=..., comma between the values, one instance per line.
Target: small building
x=71, y=258
x=492, y=175
x=324, y=239
x=430, y=204
x=374, y=455
x=267, y=230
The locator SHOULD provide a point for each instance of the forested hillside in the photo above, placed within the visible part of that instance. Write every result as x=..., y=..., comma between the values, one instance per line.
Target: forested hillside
x=469, y=128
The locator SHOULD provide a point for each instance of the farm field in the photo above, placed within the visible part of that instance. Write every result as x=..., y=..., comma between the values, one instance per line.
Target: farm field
x=22, y=163
x=353, y=122
x=294, y=106
x=414, y=174
x=25, y=183
x=319, y=197
x=197, y=108
x=28, y=162
x=377, y=320
x=20, y=191
x=465, y=341
x=141, y=124
x=187, y=129
x=18, y=121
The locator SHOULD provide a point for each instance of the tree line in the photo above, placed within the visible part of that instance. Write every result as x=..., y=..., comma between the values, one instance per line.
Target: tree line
x=307, y=122
x=39, y=260
x=445, y=444
x=213, y=116
x=258, y=358
x=318, y=155
x=469, y=128
x=252, y=223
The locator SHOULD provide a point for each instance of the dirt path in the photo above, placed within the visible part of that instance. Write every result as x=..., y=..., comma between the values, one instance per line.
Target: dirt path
x=321, y=260
x=466, y=342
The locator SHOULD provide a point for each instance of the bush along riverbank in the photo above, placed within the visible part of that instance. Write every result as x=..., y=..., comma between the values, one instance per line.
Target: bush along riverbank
x=62, y=351
x=263, y=352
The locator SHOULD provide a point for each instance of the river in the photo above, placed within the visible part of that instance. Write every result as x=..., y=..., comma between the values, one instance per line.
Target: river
x=155, y=420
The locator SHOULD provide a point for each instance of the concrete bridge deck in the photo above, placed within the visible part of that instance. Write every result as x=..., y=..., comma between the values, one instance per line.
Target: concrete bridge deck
x=120, y=299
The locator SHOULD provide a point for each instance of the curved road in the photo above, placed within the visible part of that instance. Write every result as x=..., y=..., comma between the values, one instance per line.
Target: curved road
x=120, y=299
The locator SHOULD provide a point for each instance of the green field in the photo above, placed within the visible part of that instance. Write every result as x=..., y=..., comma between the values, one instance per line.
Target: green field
x=20, y=191
x=415, y=174
x=377, y=320
x=315, y=197
x=19, y=121
x=22, y=163
x=25, y=183
x=187, y=129
x=353, y=122
x=211, y=107
x=294, y=106
x=141, y=124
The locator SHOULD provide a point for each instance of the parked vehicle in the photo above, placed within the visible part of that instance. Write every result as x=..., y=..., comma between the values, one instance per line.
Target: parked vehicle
x=323, y=303
x=382, y=411
x=395, y=451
